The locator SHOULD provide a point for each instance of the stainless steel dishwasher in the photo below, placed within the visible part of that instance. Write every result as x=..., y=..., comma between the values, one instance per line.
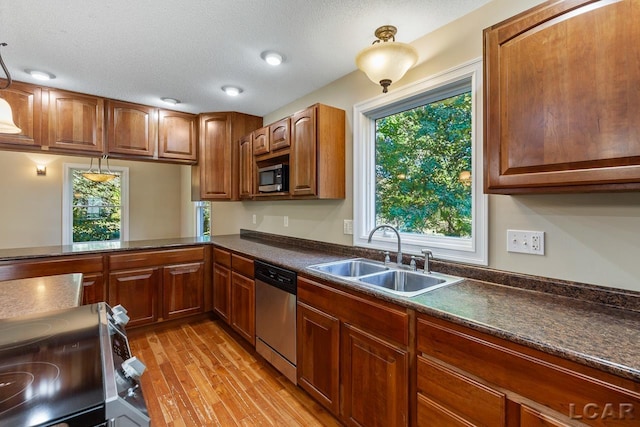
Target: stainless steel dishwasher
x=276, y=290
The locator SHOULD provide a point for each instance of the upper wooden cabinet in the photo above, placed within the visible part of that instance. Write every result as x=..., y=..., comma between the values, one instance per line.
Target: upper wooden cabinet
x=217, y=175
x=561, y=99
x=73, y=122
x=246, y=166
x=260, y=141
x=177, y=136
x=131, y=129
x=279, y=134
x=316, y=165
x=26, y=104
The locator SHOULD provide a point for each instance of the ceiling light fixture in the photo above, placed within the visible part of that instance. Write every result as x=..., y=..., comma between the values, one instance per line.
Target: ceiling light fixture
x=99, y=176
x=7, y=124
x=386, y=60
x=232, y=90
x=171, y=101
x=272, y=58
x=41, y=75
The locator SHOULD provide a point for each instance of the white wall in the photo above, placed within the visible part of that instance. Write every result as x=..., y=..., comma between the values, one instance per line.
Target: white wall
x=591, y=238
x=31, y=206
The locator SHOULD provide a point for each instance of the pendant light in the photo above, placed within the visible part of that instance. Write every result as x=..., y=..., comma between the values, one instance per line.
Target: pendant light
x=386, y=60
x=99, y=176
x=6, y=115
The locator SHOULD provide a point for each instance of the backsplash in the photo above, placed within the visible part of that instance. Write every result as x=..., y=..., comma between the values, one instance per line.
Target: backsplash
x=619, y=298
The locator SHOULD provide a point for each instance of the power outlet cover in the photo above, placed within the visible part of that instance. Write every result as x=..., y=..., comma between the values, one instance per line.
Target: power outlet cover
x=348, y=226
x=526, y=242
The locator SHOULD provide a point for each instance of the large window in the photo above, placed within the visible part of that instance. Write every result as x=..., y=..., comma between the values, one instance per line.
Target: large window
x=418, y=167
x=94, y=211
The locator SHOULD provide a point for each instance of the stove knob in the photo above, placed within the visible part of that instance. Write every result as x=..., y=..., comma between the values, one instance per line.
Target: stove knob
x=133, y=368
x=120, y=315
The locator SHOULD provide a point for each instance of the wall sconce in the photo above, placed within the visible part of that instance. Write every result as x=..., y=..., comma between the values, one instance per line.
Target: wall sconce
x=41, y=170
x=386, y=60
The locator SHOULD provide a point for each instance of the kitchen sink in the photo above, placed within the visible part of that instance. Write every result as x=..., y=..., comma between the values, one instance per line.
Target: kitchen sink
x=408, y=283
x=350, y=268
x=386, y=277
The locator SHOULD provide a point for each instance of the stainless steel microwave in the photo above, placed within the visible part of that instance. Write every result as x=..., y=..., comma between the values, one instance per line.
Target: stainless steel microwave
x=273, y=178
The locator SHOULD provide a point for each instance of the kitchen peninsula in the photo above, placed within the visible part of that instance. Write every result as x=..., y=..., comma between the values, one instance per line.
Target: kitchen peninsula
x=21, y=297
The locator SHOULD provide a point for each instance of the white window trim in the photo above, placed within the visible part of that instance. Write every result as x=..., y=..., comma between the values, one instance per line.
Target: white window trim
x=198, y=225
x=67, y=199
x=474, y=250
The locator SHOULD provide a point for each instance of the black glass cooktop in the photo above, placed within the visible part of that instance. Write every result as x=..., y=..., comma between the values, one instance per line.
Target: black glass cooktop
x=50, y=369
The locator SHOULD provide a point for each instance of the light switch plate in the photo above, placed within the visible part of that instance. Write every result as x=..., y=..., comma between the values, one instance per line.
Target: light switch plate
x=526, y=242
x=286, y=221
x=348, y=226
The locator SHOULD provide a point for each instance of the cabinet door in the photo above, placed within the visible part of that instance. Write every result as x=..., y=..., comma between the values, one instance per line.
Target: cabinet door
x=280, y=136
x=222, y=292
x=182, y=288
x=74, y=122
x=137, y=291
x=530, y=417
x=302, y=169
x=246, y=167
x=177, y=138
x=318, y=346
x=558, y=110
x=215, y=157
x=374, y=380
x=26, y=105
x=261, y=141
x=93, y=289
x=131, y=129
x=243, y=306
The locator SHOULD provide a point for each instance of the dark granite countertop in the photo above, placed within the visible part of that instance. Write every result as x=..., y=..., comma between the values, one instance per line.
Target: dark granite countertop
x=597, y=335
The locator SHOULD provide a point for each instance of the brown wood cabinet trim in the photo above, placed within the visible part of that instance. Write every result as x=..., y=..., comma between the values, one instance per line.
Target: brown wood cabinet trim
x=11, y=270
x=154, y=258
x=380, y=318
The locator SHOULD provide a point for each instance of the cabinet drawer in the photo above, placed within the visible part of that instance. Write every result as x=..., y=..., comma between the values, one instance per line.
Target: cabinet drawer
x=455, y=392
x=380, y=318
x=430, y=414
x=152, y=258
x=50, y=267
x=222, y=257
x=242, y=265
x=548, y=380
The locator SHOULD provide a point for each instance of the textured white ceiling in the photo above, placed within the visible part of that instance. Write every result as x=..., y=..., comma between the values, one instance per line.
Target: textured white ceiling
x=141, y=50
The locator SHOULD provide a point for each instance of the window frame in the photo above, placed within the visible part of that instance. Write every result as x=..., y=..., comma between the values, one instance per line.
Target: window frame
x=473, y=250
x=199, y=221
x=67, y=201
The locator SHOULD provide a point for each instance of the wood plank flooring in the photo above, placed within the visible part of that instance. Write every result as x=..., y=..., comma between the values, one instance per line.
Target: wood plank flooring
x=198, y=375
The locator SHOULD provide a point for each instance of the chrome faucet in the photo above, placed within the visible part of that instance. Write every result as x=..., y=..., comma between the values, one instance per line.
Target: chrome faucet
x=399, y=259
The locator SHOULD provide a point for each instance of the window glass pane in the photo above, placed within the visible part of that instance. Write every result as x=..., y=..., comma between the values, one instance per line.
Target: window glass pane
x=97, y=209
x=423, y=168
x=203, y=219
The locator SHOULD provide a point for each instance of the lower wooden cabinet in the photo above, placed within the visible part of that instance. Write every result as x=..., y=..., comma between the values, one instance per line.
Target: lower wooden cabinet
x=243, y=306
x=234, y=292
x=375, y=380
x=353, y=355
x=182, y=290
x=318, y=355
x=467, y=378
x=137, y=291
x=93, y=288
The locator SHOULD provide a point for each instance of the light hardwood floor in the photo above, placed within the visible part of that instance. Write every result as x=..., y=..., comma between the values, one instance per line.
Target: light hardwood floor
x=198, y=375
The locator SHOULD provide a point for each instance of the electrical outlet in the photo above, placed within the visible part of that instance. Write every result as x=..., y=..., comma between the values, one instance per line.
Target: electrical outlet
x=348, y=226
x=254, y=218
x=286, y=221
x=526, y=242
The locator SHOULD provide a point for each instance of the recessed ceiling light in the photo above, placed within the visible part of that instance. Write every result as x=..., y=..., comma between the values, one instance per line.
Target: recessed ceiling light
x=171, y=101
x=40, y=75
x=232, y=90
x=272, y=58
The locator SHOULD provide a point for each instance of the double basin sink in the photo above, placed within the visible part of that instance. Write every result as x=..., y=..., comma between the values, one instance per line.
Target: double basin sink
x=387, y=277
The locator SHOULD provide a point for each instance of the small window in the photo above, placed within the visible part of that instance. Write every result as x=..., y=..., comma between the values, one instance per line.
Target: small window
x=94, y=211
x=203, y=219
x=418, y=167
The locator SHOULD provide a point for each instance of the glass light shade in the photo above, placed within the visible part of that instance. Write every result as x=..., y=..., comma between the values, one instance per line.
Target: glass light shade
x=386, y=61
x=6, y=119
x=98, y=177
